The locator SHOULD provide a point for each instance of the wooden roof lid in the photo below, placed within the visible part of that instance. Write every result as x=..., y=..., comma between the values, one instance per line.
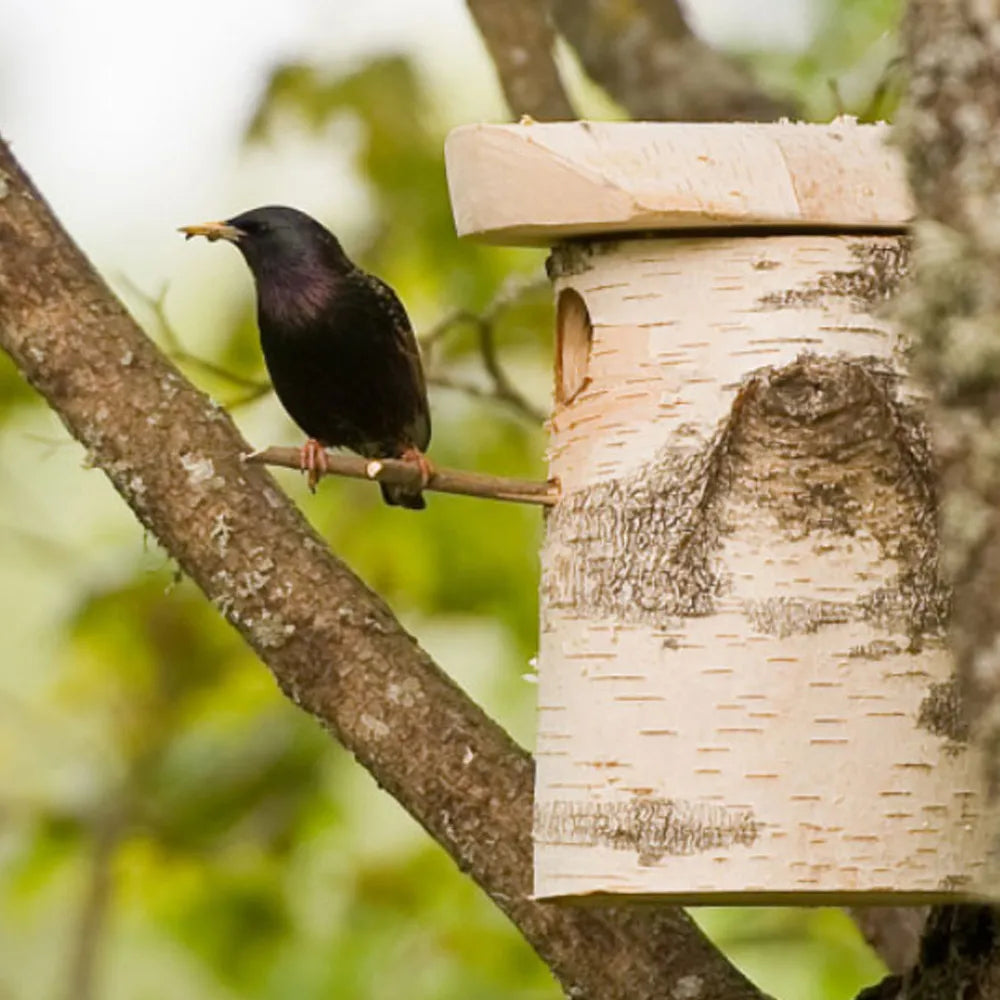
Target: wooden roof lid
x=539, y=183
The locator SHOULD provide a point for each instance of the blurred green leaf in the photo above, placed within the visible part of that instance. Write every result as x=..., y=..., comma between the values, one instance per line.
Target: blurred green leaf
x=254, y=785
x=795, y=952
x=851, y=65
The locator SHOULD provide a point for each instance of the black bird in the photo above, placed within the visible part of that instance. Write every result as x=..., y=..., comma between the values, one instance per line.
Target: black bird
x=338, y=344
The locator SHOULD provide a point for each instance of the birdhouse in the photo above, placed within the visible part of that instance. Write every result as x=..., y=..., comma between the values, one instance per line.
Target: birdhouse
x=745, y=693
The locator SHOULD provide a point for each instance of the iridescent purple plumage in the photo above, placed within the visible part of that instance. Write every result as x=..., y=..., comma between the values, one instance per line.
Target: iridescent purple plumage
x=337, y=342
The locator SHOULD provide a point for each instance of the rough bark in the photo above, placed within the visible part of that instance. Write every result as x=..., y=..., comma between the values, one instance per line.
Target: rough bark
x=332, y=645
x=519, y=39
x=647, y=58
x=951, y=129
x=959, y=958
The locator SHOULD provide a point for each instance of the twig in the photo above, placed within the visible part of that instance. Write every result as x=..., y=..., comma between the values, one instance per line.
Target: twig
x=444, y=326
x=514, y=288
x=501, y=392
x=175, y=350
x=833, y=85
x=889, y=78
x=399, y=473
x=501, y=388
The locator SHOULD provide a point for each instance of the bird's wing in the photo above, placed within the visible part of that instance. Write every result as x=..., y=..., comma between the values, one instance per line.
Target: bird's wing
x=420, y=429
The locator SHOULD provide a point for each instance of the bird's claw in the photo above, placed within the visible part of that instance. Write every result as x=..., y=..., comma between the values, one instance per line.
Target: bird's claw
x=416, y=457
x=313, y=462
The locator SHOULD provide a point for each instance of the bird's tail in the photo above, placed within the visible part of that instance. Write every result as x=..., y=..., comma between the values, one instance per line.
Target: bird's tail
x=400, y=496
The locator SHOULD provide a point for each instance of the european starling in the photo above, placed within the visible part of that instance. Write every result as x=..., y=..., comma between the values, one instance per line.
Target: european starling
x=337, y=342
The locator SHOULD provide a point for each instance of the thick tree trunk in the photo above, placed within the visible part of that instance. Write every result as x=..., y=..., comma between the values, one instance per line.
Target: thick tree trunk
x=950, y=128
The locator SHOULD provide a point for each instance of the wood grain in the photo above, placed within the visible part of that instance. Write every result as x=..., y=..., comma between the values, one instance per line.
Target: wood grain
x=541, y=183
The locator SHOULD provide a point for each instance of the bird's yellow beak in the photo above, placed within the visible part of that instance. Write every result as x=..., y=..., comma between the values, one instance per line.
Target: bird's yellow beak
x=213, y=231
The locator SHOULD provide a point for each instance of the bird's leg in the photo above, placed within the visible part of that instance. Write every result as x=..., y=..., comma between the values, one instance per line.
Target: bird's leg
x=312, y=461
x=416, y=457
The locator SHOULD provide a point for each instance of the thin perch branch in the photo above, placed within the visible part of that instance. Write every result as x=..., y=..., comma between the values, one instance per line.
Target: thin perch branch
x=175, y=350
x=400, y=473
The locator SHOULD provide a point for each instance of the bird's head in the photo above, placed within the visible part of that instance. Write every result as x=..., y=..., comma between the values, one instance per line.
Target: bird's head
x=295, y=261
x=276, y=239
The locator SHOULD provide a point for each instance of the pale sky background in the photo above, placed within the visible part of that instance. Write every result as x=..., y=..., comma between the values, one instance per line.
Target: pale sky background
x=129, y=115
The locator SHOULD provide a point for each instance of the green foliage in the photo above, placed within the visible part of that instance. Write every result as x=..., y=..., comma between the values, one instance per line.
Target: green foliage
x=49, y=842
x=234, y=920
x=851, y=66
x=795, y=953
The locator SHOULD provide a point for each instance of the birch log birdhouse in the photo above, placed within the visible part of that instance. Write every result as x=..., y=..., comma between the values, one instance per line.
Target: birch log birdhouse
x=745, y=693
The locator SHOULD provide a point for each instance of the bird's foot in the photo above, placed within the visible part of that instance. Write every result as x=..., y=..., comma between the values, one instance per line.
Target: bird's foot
x=313, y=462
x=416, y=457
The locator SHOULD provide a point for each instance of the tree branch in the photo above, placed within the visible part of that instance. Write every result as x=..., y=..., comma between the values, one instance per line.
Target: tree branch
x=648, y=59
x=501, y=388
x=332, y=645
x=400, y=473
x=519, y=39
